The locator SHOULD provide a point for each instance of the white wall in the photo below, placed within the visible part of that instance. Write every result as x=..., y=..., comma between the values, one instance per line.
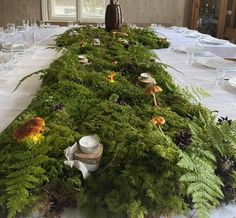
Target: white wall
x=172, y=12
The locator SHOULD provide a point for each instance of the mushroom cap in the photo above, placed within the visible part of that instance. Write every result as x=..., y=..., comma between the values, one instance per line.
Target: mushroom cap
x=124, y=34
x=111, y=75
x=153, y=89
x=29, y=129
x=158, y=121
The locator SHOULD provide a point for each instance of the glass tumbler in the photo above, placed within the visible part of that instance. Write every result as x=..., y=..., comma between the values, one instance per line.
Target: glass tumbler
x=6, y=56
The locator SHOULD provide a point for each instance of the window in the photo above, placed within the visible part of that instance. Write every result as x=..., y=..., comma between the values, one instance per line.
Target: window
x=63, y=8
x=92, y=8
x=74, y=10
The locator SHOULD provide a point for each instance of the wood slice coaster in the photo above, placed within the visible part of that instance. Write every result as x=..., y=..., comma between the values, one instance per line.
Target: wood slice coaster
x=144, y=83
x=92, y=158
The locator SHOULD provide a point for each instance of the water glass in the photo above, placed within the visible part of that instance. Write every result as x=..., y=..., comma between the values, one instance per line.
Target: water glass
x=25, y=24
x=11, y=28
x=153, y=25
x=70, y=24
x=1, y=34
x=41, y=23
x=220, y=75
x=190, y=55
x=29, y=38
x=172, y=46
x=6, y=56
x=33, y=23
x=101, y=25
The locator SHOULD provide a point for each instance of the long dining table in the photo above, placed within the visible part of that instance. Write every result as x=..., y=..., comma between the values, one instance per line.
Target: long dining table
x=222, y=99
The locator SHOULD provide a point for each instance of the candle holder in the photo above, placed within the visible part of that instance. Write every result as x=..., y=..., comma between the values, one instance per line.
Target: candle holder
x=145, y=80
x=83, y=60
x=96, y=42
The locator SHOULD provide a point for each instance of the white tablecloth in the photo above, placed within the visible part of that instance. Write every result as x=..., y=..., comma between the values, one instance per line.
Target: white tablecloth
x=223, y=96
x=12, y=104
x=227, y=50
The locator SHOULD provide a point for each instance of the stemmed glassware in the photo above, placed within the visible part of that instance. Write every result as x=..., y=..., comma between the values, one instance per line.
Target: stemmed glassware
x=225, y=72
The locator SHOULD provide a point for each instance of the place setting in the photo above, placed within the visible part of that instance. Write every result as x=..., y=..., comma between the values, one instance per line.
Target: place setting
x=213, y=41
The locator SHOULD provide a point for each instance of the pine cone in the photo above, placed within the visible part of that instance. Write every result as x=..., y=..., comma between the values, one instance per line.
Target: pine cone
x=128, y=68
x=225, y=165
x=222, y=119
x=57, y=107
x=183, y=139
x=122, y=102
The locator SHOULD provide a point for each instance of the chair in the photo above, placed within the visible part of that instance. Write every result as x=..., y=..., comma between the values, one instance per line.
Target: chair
x=228, y=31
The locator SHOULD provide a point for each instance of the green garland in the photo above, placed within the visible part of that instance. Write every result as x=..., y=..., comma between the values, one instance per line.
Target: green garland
x=145, y=171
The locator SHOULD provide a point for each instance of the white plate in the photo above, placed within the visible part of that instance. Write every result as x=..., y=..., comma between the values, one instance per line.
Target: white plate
x=180, y=49
x=213, y=41
x=212, y=62
x=232, y=82
x=16, y=47
x=190, y=49
x=179, y=29
x=198, y=51
x=192, y=34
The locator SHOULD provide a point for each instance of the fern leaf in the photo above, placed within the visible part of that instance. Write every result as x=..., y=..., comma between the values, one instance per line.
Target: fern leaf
x=26, y=77
x=203, y=185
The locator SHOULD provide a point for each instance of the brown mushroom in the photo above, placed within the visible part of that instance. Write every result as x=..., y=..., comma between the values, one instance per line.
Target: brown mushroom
x=159, y=121
x=152, y=90
x=30, y=129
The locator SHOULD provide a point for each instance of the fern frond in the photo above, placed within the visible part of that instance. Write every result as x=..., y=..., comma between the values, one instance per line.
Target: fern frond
x=26, y=77
x=196, y=94
x=203, y=185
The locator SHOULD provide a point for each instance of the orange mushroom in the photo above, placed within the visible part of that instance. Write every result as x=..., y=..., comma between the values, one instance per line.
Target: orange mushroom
x=114, y=33
x=124, y=34
x=111, y=77
x=83, y=44
x=159, y=121
x=114, y=62
x=31, y=130
x=152, y=90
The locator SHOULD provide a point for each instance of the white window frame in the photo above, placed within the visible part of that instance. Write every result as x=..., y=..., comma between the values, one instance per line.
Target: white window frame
x=47, y=14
